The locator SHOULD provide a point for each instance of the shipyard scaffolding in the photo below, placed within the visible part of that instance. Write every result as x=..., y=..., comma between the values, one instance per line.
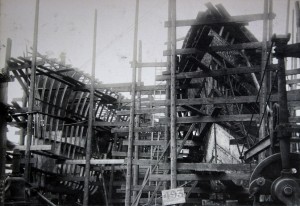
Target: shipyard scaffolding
x=218, y=124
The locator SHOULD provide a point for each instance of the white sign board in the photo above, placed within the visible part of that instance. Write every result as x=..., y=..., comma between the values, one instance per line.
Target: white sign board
x=173, y=196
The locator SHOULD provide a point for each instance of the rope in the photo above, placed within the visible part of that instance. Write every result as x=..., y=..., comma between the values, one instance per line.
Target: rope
x=268, y=100
x=257, y=96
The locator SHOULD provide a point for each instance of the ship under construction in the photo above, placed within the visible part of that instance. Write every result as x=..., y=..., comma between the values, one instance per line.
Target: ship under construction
x=220, y=126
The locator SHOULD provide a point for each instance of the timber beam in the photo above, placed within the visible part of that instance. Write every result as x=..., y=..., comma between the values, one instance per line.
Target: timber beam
x=93, y=162
x=150, y=64
x=194, y=177
x=35, y=147
x=206, y=119
x=144, y=201
x=233, y=19
x=221, y=48
x=293, y=95
x=188, y=143
x=150, y=188
x=139, y=129
x=216, y=73
x=200, y=167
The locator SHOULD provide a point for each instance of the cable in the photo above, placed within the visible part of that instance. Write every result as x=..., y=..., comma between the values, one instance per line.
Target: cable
x=268, y=100
x=257, y=96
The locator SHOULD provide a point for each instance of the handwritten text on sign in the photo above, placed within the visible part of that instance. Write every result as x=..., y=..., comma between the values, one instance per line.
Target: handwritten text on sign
x=173, y=196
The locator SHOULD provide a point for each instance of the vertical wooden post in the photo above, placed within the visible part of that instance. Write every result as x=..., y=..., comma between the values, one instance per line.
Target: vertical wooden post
x=3, y=123
x=270, y=79
x=284, y=137
x=90, y=134
x=215, y=138
x=137, y=124
x=287, y=17
x=263, y=94
x=23, y=130
x=292, y=35
x=132, y=111
x=294, y=40
x=31, y=93
x=168, y=88
x=297, y=18
x=111, y=179
x=173, y=97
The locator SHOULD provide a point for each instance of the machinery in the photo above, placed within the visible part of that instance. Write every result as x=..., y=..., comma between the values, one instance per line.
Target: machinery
x=278, y=174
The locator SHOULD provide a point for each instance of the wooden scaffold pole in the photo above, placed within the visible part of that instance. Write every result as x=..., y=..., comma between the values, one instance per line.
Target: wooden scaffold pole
x=263, y=92
x=132, y=112
x=287, y=17
x=31, y=93
x=168, y=88
x=90, y=120
x=137, y=123
x=173, y=150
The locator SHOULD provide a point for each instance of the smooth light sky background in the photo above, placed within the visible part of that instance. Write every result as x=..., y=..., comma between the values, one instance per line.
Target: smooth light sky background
x=67, y=26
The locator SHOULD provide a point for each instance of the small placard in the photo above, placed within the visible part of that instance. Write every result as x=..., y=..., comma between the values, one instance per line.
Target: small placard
x=173, y=196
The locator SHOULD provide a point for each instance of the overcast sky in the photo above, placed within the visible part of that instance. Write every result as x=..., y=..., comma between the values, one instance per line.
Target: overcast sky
x=67, y=26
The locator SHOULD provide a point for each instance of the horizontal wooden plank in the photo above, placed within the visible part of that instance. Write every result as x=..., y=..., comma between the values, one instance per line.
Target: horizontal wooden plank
x=35, y=147
x=140, y=129
x=188, y=143
x=195, y=177
x=125, y=101
x=232, y=47
x=153, y=110
x=139, y=88
x=114, y=85
x=295, y=105
x=95, y=162
x=143, y=111
x=216, y=73
x=124, y=154
x=144, y=162
x=33, y=161
x=209, y=119
x=151, y=87
x=229, y=47
x=158, y=201
x=204, y=167
x=150, y=64
x=108, y=168
x=75, y=178
x=293, y=95
x=293, y=81
x=242, y=141
x=292, y=72
x=211, y=167
x=151, y=188
x=294, y=128
x=294, y=119
x=183, y=51
x=233, y=19
x=110, y=124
